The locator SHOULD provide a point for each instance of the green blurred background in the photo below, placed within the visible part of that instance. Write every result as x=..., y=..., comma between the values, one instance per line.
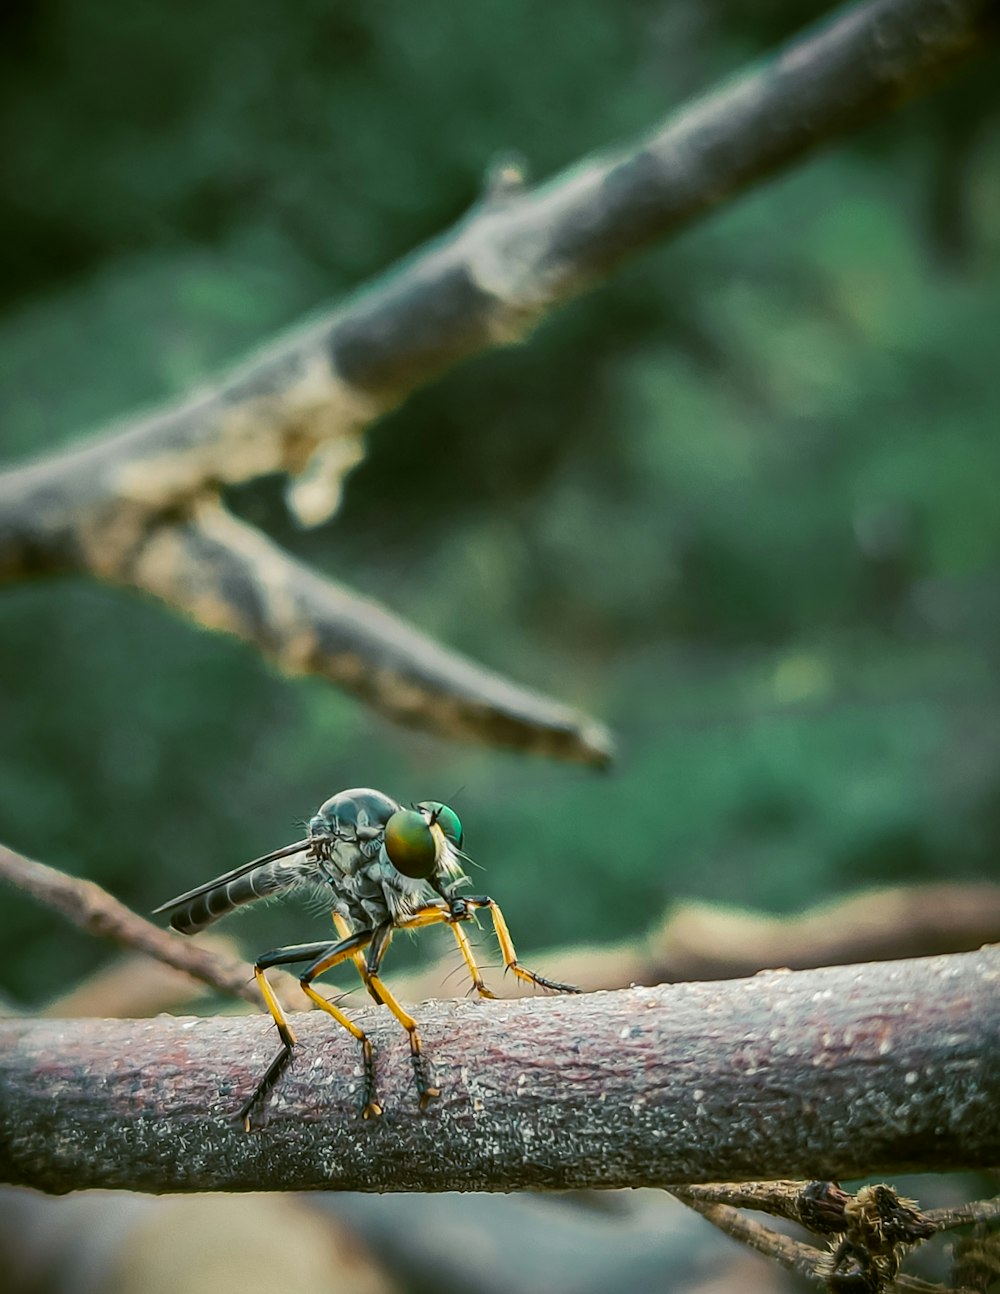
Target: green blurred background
x=740, y=503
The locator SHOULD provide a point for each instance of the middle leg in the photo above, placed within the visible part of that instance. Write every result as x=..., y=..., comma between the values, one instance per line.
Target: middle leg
x=377, y=949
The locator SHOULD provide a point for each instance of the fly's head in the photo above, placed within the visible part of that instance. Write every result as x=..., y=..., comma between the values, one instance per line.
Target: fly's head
x=425, y=843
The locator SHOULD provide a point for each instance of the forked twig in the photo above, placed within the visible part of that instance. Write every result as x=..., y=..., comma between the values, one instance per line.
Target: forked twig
x=873, y=1228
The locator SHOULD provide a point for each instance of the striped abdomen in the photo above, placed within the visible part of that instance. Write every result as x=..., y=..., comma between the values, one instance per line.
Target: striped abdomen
x=202, y=909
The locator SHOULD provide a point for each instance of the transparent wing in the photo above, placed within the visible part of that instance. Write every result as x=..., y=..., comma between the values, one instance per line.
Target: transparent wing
x=299, y=847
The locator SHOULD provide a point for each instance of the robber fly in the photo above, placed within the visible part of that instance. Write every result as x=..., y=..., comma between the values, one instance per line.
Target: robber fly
x=383, y=868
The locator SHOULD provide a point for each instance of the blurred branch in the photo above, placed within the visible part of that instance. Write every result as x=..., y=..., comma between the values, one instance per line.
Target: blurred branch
x=840, y=1072
x=711, y=941
x=227, y=575
x=137, y=984
x=136, y=505
x=220, y=1244
x=703, y=940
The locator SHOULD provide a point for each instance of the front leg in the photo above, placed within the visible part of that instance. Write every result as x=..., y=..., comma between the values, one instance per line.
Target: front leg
x=507, y=947
x=457, y=908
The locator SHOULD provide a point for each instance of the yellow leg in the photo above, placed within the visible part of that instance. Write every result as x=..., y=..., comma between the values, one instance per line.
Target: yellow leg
x=372, y=1109
x=274, y=1006
x=326, y=1005
x=437, y=914
x=343, y=929
x=466, y=950
x=425, y=1087
x=431, y=914
x=277, y=1065
x=510, y=956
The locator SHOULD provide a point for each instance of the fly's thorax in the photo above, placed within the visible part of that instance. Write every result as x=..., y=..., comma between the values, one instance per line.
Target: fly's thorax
x=358, y=815
x=362, y=895
x=346, y=858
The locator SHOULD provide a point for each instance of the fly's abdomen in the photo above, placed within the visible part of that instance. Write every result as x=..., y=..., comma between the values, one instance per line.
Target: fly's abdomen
x=209, y=906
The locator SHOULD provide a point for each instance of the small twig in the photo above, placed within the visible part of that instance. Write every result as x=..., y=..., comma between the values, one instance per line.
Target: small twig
x=963, y=1215
x=794, y=1255
x=782, y=1199
x=248, y=586
x=99, y=913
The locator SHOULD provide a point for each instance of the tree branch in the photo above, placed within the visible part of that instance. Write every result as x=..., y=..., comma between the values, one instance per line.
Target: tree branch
x=127, y=505
x=486, y=282
x=830, y=1073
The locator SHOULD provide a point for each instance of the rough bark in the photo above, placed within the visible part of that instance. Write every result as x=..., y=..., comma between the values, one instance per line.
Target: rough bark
x=832, y=1073
x=138, y=506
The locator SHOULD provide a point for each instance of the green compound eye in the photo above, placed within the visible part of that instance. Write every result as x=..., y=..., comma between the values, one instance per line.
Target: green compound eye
x=410, y=844
x=446, y=818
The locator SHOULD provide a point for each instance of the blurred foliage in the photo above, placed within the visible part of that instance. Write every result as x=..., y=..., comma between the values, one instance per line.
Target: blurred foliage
x=740, y=502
